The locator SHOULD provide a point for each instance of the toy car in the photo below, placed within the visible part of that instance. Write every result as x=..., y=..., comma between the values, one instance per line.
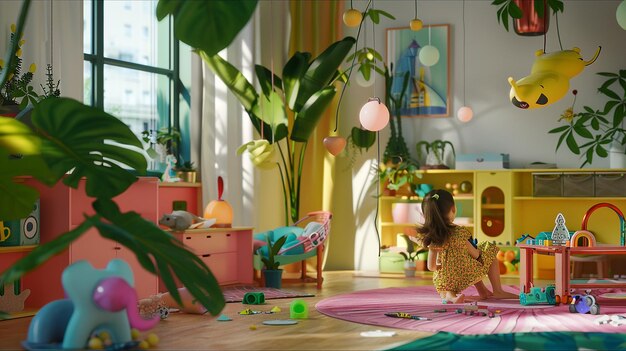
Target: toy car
x=538, y=296
x=584, y=304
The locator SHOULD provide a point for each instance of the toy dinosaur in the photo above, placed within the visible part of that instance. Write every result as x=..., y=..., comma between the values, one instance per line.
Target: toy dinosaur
x=181, y=220
x=549, y=78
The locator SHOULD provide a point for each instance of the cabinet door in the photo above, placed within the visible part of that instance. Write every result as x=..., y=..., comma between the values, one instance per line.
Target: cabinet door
x=146, y=283
x=493, y=194
x=223, y=266
x=93, y=248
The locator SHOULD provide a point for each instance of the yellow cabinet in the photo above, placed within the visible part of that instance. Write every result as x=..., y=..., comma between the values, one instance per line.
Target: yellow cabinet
x=493, y=194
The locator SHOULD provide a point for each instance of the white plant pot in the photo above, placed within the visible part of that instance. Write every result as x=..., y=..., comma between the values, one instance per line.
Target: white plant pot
x=409, y=268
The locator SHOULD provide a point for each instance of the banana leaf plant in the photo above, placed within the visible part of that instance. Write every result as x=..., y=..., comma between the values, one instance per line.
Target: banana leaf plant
x=65, y=141
x=304, y=91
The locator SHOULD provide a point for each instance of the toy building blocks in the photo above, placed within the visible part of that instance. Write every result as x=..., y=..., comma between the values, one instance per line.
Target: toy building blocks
x=254, y=298
x=538, y=296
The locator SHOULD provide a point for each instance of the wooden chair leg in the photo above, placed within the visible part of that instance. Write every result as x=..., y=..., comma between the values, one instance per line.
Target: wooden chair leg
x=320, y=257
x=303, y=271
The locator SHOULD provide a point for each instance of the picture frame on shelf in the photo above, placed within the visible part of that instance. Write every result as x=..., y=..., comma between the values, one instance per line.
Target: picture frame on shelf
x=426, y=55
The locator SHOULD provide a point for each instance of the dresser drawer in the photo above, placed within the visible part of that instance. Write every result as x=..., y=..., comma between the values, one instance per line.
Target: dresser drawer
x=223, y=266
x=207, y=243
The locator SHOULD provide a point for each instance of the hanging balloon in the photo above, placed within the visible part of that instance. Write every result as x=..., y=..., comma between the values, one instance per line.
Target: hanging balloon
x=374, y=115
x=429, y=55
x=621, y=15
x=465, y=114
x=334, y=144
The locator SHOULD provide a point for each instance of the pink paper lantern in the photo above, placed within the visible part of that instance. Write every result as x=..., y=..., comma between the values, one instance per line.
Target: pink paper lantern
x=465, y=114
x=374, y=115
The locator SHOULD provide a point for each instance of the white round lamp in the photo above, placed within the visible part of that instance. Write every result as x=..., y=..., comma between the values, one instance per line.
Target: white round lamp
x=429, y=55
x=374, y=115
x=465, y=114
x=621, y=15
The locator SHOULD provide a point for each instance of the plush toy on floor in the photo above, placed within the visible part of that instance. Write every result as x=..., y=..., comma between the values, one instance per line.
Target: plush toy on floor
x=96, y=300
x=182, y=220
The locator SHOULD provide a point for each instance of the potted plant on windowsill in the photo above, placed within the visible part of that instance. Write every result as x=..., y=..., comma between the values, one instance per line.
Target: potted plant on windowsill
x=186, y=172
x=413, y=252
x=271, y=272
x=596, y=132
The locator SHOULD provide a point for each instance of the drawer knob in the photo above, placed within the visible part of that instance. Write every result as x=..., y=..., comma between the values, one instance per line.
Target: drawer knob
x=206, y=255
x=208, y=237
x=228, y=234
x=188, y=238
x=117, y=248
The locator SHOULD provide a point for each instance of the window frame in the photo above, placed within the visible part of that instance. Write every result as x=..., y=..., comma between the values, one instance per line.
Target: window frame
x=98, y=61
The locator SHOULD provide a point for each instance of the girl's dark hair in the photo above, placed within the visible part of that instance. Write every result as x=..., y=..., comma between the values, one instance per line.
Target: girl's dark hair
x=436, y=206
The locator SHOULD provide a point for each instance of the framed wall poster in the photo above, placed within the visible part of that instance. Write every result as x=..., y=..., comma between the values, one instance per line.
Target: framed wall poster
x=425, y=54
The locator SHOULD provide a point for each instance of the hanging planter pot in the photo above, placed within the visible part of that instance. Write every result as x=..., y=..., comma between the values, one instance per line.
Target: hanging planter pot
x=531, y=24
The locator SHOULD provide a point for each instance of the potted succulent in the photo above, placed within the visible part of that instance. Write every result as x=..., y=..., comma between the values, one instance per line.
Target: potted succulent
x=271, y=272
x=186, y=172
x=595, y=131
x=413, y=253
x=435, y=153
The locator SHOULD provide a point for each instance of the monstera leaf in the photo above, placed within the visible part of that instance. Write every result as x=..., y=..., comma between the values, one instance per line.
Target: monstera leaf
x=223, y=19
x=90, y=143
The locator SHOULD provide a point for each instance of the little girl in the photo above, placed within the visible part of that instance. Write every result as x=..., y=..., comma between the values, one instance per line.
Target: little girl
x=452, y=257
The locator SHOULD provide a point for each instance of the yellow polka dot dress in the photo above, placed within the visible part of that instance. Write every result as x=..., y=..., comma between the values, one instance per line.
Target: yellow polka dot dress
x=458, y=269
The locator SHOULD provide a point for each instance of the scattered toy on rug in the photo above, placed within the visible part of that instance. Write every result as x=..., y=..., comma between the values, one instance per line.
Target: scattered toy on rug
x=157, y=303
x=584, y=304
x=182, y=220
x=538, y=296
x=406, y=316
x=614, y=320
x=474, y=309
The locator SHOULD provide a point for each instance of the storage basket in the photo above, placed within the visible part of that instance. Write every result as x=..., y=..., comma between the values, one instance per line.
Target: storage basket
x=547, y=184
x=610, y=184
x=578, y=184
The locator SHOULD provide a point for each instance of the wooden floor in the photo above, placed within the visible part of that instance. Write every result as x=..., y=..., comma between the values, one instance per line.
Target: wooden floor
x=318, y=332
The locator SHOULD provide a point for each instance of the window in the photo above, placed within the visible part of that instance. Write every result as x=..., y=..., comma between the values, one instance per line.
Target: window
x=138, y=81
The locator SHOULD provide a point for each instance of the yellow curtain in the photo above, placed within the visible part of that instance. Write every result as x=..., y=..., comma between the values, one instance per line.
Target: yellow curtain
x=315, y=25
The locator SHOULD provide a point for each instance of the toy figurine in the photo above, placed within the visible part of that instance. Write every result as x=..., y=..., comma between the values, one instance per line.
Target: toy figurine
x=169, y=175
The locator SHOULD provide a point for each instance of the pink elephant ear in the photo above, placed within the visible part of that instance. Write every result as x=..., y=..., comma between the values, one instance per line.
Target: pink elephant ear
x=114, y=294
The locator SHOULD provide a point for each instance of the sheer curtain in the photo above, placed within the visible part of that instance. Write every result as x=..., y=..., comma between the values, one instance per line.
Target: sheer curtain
x=220, y=125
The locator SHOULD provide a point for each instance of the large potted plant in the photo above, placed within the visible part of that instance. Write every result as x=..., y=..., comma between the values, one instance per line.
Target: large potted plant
x=595, y=131
x=304, y=91
x=65, y=141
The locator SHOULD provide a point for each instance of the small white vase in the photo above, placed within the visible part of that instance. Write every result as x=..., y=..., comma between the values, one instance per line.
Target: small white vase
x=409, y=268
x=617, y=157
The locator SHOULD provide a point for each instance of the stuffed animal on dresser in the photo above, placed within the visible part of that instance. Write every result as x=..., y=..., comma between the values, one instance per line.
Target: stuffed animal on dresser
x=182, y=220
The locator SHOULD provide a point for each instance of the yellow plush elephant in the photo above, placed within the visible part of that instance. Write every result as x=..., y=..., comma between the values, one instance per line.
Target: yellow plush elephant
x=549, y=78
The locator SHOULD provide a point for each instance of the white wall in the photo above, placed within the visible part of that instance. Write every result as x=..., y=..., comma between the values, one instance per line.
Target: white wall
x=492, y=55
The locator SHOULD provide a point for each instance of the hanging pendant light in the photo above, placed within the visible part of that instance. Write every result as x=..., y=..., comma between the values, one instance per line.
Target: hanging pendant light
x=352, y=17
x=374, y=115
x=335, y=144
x=416, y=23
x=465, y=113
x=620, y=14
x=429, y=55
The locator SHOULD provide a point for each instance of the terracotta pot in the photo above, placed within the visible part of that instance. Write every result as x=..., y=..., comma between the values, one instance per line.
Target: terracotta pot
x=531, y=24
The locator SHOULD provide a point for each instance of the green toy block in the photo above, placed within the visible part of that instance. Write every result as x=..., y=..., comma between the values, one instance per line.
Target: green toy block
x=253, y=298
x=298, y=309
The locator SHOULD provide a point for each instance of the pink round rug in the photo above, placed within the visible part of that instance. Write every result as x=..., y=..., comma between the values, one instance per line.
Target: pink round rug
x=370, y=306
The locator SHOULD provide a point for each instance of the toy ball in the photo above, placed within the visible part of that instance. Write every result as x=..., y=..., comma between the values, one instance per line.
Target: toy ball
x=220, y=209
x=465, y=187
x=429, y=55
x=374, y=115
x=549, y=78
x=352, y=17
x=416, y=24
